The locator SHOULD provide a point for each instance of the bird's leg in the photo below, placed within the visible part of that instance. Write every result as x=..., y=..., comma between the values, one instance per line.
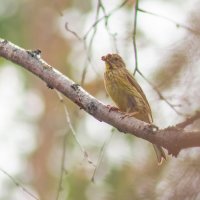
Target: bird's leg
x=112, y=108
x=129, y=114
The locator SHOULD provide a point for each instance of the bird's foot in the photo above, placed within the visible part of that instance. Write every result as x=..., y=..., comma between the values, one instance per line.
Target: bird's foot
x=153, y=127
x=129, y=114
x=112, y=108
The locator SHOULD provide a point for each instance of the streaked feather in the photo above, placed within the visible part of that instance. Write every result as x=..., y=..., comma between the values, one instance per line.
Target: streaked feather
x=127, y=93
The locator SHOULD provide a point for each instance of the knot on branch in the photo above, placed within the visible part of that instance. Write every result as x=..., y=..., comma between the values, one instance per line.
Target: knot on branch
x=91, y=107
x=75, y=86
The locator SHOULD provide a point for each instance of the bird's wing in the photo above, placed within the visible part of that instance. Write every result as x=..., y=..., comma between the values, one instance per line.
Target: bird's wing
x=134, y=83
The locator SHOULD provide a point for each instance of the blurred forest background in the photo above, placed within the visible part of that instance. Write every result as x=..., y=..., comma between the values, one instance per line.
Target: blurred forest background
x=39, y=156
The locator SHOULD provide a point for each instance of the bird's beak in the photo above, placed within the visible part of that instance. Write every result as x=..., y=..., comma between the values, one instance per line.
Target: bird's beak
x=103, y=58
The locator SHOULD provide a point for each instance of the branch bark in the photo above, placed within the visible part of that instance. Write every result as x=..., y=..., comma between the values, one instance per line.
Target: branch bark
x=172, y=138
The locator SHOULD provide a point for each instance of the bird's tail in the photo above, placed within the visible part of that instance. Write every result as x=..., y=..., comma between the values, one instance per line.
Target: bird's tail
x=159, y=153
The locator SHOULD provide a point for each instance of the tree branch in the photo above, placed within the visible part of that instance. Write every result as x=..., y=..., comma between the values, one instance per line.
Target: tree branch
x=172, y=138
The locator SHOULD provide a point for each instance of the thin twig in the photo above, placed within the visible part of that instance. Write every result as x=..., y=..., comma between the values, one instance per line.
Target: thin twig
x=76, y=139
x=134, y=36
x=160, y=95
x=94, y=28
x=74, y=132
x=189, y=121
x=102, y=150
x=170, y=20
x=103, y=17
x=88, y=49
x=19, y=184
x=99, y=6
x=112, y=35
x=72, y=32
x=63, y=155
x=135, y=51
x=88, y=60
x=62, y=172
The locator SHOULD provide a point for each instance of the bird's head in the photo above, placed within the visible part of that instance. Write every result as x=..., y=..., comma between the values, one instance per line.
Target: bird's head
x=113, y=61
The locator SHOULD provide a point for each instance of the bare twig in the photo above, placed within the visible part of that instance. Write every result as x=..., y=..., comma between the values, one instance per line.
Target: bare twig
x=105, y=16
x=19, y=184
x=135, y=51
x=170, y=20
x=101, y=155
x=63, y=157
x=72, y=32
x=85, y=154
x=189, y=120
x=134, y=35
x=88, y=49
x=62, y=172
x=64, y=146
x=94, y=28
x=88, y=56
x=172, y=138
x=112, y=35
x=161, y=95
x=99, y=6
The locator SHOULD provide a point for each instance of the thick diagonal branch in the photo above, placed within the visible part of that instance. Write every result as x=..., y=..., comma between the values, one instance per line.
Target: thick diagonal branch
x=173, y=139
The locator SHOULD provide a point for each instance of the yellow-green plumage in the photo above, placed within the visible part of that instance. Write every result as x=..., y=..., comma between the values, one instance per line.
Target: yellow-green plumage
x=127, y=94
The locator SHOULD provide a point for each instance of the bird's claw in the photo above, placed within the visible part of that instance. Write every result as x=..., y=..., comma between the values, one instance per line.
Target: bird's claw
x=129, y=115
x=112, y=108
x=153, y=127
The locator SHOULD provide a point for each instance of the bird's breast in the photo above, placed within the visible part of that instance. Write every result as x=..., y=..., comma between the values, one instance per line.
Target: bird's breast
x=118, y=91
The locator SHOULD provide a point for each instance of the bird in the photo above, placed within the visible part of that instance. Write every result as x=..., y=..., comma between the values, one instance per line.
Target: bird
x=127, y=94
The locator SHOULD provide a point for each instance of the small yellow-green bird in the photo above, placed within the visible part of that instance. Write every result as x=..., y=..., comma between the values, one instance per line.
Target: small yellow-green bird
x=127, y=93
